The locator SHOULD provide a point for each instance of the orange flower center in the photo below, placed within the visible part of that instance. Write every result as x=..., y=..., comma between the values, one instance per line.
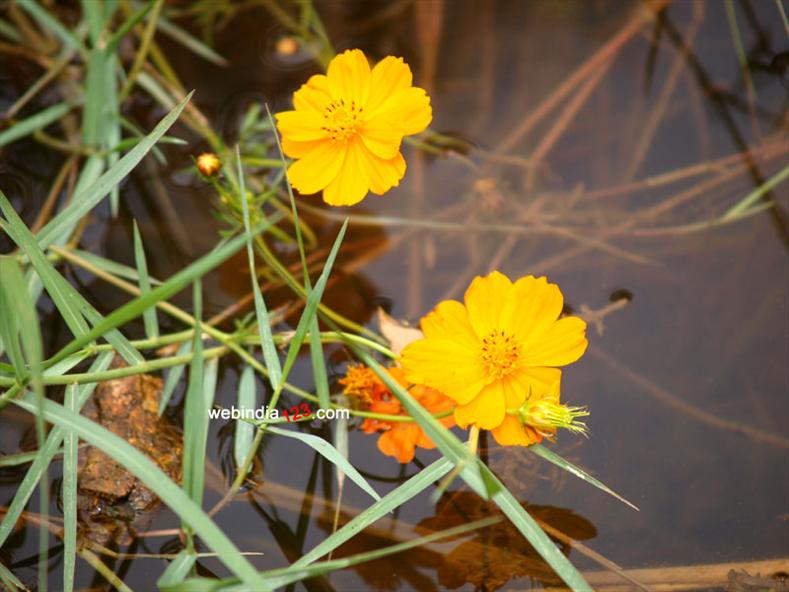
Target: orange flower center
x=342, y=120
x=500, y=354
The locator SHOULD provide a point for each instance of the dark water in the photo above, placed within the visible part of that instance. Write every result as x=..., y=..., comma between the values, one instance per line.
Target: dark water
x=688, y=385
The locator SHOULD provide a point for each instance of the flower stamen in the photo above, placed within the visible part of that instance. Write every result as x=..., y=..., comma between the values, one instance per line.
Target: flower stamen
x=342, y=121
x=500, y=354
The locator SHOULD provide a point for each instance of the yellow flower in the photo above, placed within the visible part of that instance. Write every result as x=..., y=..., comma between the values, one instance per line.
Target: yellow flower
x=490, y=353
x=347, y=126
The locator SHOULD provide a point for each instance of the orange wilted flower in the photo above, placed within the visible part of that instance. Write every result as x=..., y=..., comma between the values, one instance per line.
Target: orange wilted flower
x=399, y=438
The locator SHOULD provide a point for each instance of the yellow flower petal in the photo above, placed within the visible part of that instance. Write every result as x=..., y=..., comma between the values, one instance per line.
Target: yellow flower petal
x=294, y=149
x=317, y=168
x=388, y=76
x=512, y=433
x=408, y=109
x=385, y=174
x=382, y=136
x=485, y=299
x=532, y=307
x=313, y=95
x=537, y=382
x=449, y=320
x=563, y=343
x=352, y=182
x=486, y=410
x=301, y=126
x=461, y=377
x=349, y=77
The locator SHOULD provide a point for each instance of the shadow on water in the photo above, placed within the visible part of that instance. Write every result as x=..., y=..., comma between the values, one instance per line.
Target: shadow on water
x=595, y=150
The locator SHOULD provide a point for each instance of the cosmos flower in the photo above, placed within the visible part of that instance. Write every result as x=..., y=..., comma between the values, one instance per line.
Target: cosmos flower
x=347, y=126
x=399, y=438
x=490, y=353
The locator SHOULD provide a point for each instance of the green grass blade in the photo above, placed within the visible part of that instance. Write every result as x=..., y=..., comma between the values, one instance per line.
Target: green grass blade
x=172, y=286
x=551, y=456
x=70, y=303
x=149, y=316
x=9, y=322
x=270, y=355
x=50, y=23
x=19, y=304
x=547, y=549
x=70, y=451
x=9, y=580
x=311, y=307
x=329, y=452
x=447, y=443
x=245, y=431
x=179, y=568
x=127, y=26
x=87, y=199
x=191, y=43
x=319, y=365
x=33, y=123
x=403, y=493
x=153, y=477
x=173, y=377
x=46, y=452
x=114, y=268
x=195, y=412
x=746, y=202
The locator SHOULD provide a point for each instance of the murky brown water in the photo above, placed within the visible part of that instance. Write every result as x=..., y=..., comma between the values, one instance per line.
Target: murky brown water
x=688, y=385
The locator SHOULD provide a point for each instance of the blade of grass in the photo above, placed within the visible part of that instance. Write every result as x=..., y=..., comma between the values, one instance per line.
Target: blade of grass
x=9, y=324
x=447, y=443
x=270, y=355
x=746, y=202
x=173, y=377
x=179, y=568
x=70, y=451
x=194, y=412
x=329, y=452
x=551, y=456
x=127, y=26
x=69, y=302
x=50, y=23
x=87, y=199
x=245, y=431
x=35, y=122
x=46, y=452
x=153, y=477
x=19, y=304
x=113, y=267
x=191, y=43
x=149, y=316
x=172, y=286
x=9, y=580
x=310, y=308
x=396, y=498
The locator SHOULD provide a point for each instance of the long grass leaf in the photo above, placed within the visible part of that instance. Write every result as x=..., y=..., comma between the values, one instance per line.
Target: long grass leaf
x=69, y=301
x=551, y=456
x=311, y=307
x=155, y=479
x=149, y=316
x=123, y=271
x=35, y=122
x=51, y=447
x=50, y=23
x=447, y=443
x=193, y=44
x=9, y=323
x=270, y=356
x=173, y=377
x=87, y=199
x=9, y=580
x=70, y=451
x=396, y=498
x=178, y=569
x=194, y=410
x=329, y=452
x=172, y=286
x=245, y=431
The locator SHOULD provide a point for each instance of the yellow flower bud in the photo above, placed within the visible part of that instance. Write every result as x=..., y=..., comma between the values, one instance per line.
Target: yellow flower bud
x=546, y=416
x=208, y=164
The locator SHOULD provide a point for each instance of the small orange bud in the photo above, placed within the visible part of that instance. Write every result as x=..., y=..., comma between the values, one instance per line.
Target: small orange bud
x=209, y=164
x=287, y=46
